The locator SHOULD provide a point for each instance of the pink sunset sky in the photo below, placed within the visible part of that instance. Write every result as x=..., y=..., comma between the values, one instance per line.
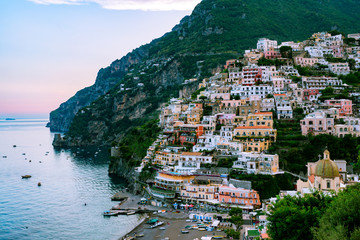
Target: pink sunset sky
x=50, y=49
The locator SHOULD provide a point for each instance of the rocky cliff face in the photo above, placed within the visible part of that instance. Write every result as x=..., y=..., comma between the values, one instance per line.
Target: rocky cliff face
x=107, y=78
x=108, y=118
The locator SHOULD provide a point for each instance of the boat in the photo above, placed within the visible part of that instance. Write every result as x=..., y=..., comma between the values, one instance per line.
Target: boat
x=26, y=176
x=157, y=224
x=218, y=237
x=151, y=221
x=162, y=228
x=39, y=184
x=184, y=231
x=202, y=229
x=109, y=213
x=139, y=235
x=130, y=212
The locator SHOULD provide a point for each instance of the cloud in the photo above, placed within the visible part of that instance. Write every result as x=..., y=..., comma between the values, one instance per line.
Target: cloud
x=145, y=5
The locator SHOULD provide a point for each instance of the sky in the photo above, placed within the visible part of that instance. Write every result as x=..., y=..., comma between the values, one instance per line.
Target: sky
x=50, y=49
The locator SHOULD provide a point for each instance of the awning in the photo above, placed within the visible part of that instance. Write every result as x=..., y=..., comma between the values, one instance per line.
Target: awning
x=215, y=223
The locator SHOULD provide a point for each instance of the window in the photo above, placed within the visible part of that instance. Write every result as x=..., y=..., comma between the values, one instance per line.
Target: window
x=328, y=184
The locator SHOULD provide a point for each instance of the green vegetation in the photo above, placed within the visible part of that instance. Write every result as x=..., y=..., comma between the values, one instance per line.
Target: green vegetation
x=329, y=93
x=341, y=219
x=226, y=162
x=317, y=216
x=196, y=93
x=224, y=26
x=293, y=218
x=268, y=62
x=352, y=78
x=312, y=71
x=267, y=186
x=286, y=52
x=236, y=216
x=231, y=233
x=134, y=145
x=295, y=150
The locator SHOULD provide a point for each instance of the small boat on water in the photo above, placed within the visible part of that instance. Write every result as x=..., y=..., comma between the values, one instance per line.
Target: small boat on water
x=184, y=231
x=109, y=213
x=39, y=184
x=139, y=235
x=26, y=176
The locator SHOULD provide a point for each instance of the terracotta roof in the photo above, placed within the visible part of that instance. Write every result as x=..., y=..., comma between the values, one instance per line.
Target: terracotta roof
x=311, y=178
x=191, y=153
x=280, y=94
x=264, y=235
x=253, y=127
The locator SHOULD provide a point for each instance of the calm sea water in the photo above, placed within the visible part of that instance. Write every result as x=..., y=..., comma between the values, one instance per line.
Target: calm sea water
x=55, y=210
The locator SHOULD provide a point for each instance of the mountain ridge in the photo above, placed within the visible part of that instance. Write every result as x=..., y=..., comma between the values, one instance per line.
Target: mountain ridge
x=215, y=31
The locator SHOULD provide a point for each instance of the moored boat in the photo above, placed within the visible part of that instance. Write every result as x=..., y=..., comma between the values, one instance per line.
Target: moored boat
x=130, y=212
x=26, y=176
x=109, y=213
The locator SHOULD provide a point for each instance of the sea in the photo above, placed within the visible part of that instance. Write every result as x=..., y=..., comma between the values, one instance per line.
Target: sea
x=75, y=187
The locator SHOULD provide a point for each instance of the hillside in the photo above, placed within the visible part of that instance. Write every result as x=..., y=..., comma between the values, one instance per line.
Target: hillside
x=215, y=31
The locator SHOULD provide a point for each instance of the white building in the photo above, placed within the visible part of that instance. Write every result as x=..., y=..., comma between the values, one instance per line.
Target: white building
x=264, y=44
x=246, y=91
x=252, y=162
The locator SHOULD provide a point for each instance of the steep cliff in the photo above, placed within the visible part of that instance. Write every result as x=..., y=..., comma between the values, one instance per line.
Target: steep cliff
x=107, y=78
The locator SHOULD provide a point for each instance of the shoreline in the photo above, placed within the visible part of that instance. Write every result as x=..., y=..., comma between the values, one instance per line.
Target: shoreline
x=135, y=227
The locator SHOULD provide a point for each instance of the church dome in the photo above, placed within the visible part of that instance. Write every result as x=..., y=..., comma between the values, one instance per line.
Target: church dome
x=326, y=168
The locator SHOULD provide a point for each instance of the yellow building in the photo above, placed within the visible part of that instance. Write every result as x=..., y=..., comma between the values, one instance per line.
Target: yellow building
x=260, y=119
x=255, y=138
x=166, y=158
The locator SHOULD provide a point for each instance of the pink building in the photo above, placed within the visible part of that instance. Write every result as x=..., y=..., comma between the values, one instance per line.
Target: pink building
x=272, y=53
x=278, y=83
x=226, y=119
x=317, y=123
x=250, y=75
x=305, y=61
x=344, y=105
x=311, y=94
x=238, y=196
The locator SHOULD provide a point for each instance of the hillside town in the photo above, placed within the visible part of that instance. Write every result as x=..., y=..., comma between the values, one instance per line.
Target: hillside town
x=230, y=124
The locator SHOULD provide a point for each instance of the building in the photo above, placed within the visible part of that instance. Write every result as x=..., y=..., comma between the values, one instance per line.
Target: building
x=251, y=162
x=303, y=62
x=339, y=68
x=264, y=44
x=323, y=175
x=319, y=122
x=244, y=198
x=321, y=83
x=172, y=181
x=344, y=106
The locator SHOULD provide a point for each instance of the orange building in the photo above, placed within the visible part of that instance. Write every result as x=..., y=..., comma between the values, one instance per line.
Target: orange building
x=238, y=196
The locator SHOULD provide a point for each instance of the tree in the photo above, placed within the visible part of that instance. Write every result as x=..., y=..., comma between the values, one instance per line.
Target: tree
x=293, y=217
x=342, y=218
x=286, y=52
x=236, y=217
